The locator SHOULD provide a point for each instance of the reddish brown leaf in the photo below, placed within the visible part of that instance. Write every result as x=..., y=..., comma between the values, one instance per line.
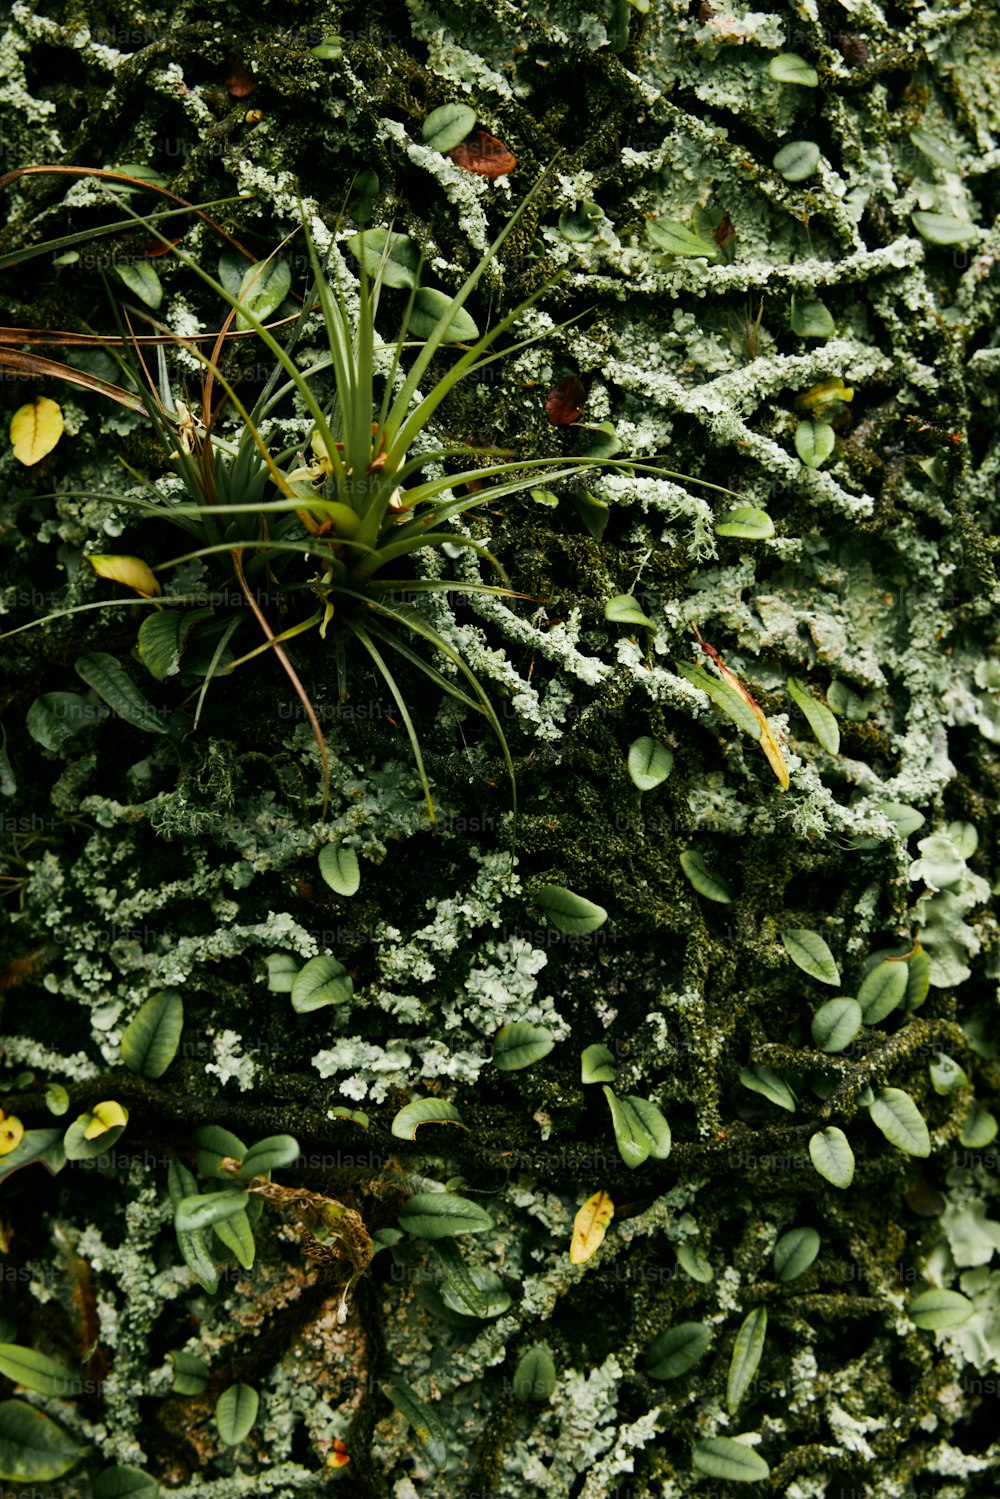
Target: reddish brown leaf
x=725, y=231
x=239, y=81
x=925, y=1200
x=484, y=155
x=565, y=401
x=152, y=249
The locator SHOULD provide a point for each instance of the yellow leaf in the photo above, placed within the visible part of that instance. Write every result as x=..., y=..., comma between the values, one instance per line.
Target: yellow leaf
x=35, y=429
x=105, y=1116
x=590, y=1226
x=11, y=1135
x=131, y=571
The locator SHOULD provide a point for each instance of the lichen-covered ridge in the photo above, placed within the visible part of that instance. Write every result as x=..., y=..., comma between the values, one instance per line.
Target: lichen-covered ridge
x=817, y=336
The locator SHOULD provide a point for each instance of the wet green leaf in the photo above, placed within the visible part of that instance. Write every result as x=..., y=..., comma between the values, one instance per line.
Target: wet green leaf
x=809, y=952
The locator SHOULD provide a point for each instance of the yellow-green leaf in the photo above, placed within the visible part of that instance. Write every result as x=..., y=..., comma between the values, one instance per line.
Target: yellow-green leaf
x=131, y=571
x=589, y=1227
x=35, y=429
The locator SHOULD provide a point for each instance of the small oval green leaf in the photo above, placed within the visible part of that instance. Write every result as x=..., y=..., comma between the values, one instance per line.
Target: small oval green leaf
x=746, y=521
x=897, y=1116
x=429, y=307
x=979, y=1128
x=568, y=912
x=814, y=442
x=761, y=1079
x=204, y=1210
x=387, y=258
x=340, y=868
x=711, y=886
x=882, y=991
x=191, y=1373
x=150, y=1042
x=695, y=1264
x=424, y=1111
x=832, y=1156
x=597, y=1064
x=811, y=319
x=724, y=1457
x=446, y=126
x=142, y=281
x=789, y=67
x=236, y=1412
x=809, y=952
x=946, y=1075
x=677, y=1350
x=424, y=1421
x=677, y=239
x=797, y=160
x=270, y=1154
x=835, y=1024
x=33, y=1449
x=535, y=1375
x=649, y=762
x=125, y=1483
x=37, y=1372
x=944, y=228
x=323, y=981
x=521, y=1044
x=624, y=610
x=937, y=1309
x=795, y=1252
x=111, y=683
x=439, y=1215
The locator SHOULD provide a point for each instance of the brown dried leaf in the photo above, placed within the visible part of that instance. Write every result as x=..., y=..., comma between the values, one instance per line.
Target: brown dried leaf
x=484, y=155
x=565, y=401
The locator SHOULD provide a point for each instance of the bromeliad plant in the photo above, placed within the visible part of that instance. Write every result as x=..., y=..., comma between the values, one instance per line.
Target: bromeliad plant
x=358, y=508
